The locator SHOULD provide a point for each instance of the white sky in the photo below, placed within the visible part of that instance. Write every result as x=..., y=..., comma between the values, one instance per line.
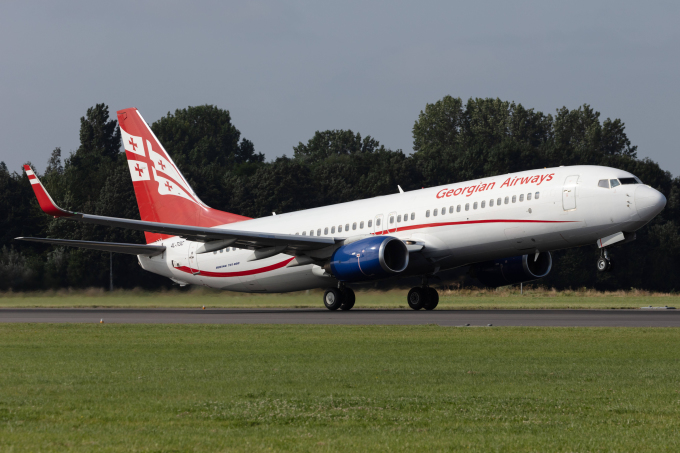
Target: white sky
x=287, y=69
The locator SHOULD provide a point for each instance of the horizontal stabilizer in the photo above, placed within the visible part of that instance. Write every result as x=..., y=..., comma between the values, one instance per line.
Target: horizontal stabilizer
x=115, y=247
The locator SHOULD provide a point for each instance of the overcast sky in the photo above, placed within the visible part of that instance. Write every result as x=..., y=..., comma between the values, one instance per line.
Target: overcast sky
x=287, y=69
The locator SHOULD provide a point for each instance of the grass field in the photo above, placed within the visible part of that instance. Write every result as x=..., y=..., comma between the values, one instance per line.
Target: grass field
x=336, y=388
x=504, y=298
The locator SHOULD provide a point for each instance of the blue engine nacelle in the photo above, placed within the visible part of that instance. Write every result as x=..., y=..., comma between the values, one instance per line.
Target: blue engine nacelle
x=369, y=259
x=516, y=269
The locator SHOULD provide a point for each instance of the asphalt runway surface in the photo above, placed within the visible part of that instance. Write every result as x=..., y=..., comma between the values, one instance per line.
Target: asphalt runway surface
x=557, y=318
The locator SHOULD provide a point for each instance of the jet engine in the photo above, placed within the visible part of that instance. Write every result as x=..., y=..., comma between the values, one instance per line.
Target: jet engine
x=368, y=259
x=516, y=269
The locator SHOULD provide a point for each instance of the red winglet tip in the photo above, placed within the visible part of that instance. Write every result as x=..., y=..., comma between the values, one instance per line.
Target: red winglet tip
x=44, y=200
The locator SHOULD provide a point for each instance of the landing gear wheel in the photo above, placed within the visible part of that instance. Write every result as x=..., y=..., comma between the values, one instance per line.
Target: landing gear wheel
x=348, y=299
x=433, y=299
x=603, y=264
x=417, y=298
x=332, y=298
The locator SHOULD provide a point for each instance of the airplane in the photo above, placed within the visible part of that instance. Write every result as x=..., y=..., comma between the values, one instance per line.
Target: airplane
x=503, y=226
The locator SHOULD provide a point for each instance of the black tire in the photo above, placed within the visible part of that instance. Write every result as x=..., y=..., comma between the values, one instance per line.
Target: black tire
x=348, y=299
x=417, y=298
x=603, y=264
x=433, y=299
x=332, y=298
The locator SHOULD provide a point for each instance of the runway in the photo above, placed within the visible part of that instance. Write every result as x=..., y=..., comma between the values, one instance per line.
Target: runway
x=557, y=318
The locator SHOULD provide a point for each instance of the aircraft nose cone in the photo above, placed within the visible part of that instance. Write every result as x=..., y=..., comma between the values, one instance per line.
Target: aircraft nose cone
x=649, y=202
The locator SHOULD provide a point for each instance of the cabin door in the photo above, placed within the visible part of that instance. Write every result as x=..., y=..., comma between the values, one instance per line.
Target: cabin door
x=569, y=193
x=193, y=258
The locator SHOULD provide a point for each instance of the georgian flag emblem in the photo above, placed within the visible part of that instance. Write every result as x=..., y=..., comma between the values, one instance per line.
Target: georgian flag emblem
x=132, y=143
x=139, y=170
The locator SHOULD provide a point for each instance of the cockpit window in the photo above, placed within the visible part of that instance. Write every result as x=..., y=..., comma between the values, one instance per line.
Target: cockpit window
x=603, y=183
x=626, y=181
x=615, y=182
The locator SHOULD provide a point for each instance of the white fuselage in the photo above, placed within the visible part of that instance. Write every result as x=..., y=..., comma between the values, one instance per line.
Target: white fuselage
x=458, y=224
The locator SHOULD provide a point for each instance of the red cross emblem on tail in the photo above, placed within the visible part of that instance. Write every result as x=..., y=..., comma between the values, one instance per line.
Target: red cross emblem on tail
x=167, y=184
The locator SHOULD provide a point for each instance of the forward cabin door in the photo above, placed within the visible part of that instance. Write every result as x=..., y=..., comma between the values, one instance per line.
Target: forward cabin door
x=378, y=224
x=569, y=193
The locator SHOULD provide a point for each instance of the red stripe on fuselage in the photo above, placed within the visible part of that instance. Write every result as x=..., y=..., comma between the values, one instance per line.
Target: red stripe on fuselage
x=469, y=222
x=236, y=274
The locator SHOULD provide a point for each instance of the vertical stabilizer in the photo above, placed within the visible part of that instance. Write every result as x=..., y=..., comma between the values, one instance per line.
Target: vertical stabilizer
x=163, y=195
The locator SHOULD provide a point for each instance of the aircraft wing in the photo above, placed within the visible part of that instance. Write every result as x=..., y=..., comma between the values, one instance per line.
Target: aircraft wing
x=116, y=247
x=284, y=243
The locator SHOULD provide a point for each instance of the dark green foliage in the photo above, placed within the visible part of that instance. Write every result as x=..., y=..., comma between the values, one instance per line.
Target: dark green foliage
x=453, y=141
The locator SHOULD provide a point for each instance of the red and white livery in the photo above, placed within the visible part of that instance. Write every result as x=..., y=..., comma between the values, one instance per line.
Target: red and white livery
x=503, y=226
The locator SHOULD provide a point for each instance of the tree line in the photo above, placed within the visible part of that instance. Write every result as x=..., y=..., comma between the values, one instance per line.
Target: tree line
x=453, y=141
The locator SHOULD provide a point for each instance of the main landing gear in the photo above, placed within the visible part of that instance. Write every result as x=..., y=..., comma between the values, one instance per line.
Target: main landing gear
x=341, y=297
x=423, y=297
x=604, y=264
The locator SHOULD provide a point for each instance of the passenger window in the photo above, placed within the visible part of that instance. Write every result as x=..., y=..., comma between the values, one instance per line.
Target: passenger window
x=347, y=227
x=332, y=230
x=451, y=210
x=339, y=228
x=483, y=204
x=443, y=211
x=215, y=252
x=491, y=203
x=434, y=213
x=413, y=216
x=427, y=213
x=297, y=234
x=405, y=217
x=529, y=196
x=304, y=233
x=615, y=182
x=399, y=218
x=521, y=197
x=222, y=251
x=604, y=183
x=354, y=226
x=498, y=202
x=536, y=196
x=458, y=208
x=325, y=231
x=391, y=219
x=318, y=232
x=370, y=223
x=507, y=200
x=474, y=205
x=377, y=222
x=361, y=224
x=311, y=232
x=467, y=206
x=514, y=198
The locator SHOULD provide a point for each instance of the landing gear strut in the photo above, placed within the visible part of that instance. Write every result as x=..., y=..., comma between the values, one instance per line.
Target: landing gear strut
x=340, y=297
x=423, y=297
x=604, y=264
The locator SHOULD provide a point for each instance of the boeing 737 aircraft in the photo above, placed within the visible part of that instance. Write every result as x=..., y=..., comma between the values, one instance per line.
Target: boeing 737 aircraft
x=503, y=226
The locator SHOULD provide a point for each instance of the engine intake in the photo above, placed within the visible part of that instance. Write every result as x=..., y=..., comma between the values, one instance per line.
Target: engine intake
x=369, y=259
x=516, y=269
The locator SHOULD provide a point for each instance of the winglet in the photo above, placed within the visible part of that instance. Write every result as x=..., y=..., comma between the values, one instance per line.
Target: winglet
x=46, y=203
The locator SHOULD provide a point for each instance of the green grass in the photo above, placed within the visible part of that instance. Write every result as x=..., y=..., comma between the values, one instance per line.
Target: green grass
x=505, y=298
x=337, y=388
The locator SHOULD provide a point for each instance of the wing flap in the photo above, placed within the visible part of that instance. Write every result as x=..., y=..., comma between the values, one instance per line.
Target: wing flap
x=115, y=247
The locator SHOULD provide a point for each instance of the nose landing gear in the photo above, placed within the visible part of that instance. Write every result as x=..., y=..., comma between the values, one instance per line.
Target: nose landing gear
x=604, y=264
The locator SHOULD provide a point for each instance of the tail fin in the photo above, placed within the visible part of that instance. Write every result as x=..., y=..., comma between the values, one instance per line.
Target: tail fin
x=163, y=195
